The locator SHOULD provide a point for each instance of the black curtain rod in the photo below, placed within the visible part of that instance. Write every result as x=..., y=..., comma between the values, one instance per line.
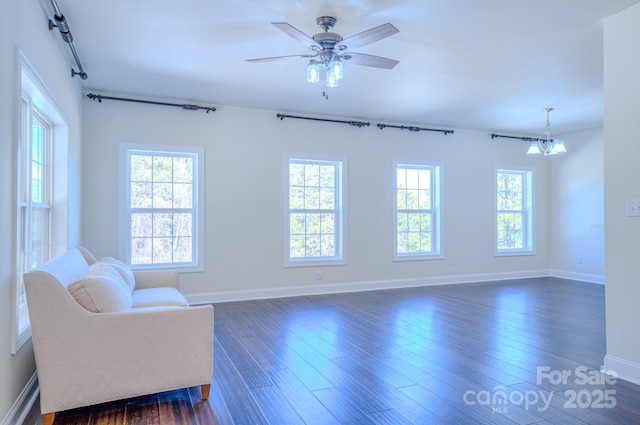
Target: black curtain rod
x=99, y=97
x=402, y=127
x=353, y=123
x=65, y=33
x=525, y=139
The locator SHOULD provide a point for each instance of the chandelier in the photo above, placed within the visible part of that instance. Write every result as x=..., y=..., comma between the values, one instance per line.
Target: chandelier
x=547, y=145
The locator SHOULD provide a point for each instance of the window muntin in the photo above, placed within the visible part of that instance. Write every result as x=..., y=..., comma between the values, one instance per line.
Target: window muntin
x=163, y=218
x=315, y=211
x=417, y=211
x=514, y=212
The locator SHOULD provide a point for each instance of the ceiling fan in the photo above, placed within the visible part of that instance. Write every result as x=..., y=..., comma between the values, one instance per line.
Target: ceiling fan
x=329, y=50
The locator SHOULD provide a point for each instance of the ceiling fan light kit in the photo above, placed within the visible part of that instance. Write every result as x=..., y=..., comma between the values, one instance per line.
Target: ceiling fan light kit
x=313, y=71
x=328, y=50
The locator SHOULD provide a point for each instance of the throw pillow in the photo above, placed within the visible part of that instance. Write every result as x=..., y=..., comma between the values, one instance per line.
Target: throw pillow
x=123, y=269
x=101, y=290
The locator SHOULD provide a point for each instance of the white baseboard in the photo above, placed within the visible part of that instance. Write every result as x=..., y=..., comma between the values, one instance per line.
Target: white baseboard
x=624, y=369
x=337, y=288
x=583, y=277
x=23, y=403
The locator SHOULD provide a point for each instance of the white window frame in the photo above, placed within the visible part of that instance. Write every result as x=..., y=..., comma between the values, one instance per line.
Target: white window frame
x=527, y=211
x=197, y=153
x=435, y=169
x=340, y=210
x=35, y=101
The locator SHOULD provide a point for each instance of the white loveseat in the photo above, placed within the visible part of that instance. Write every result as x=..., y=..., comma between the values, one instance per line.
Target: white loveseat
x=102, y=332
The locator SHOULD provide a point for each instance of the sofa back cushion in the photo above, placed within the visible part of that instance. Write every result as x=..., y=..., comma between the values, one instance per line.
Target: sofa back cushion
x=101, y=290
x=123, y=269
x=67, y=267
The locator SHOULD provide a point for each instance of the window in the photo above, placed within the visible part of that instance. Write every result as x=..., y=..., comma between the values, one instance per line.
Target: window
x=514, y=206
x=315, y=219
x=163, y=194
x=34, y=203
x=417, y=211
x=41, y=187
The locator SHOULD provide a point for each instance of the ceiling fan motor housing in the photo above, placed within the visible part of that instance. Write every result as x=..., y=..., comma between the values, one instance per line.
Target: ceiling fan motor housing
x=328, y=41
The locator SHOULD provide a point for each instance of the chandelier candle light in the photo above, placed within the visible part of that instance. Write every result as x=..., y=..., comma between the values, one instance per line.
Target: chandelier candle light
x=547, y=145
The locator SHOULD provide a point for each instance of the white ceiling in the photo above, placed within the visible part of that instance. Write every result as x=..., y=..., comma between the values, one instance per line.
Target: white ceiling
x=488, y=65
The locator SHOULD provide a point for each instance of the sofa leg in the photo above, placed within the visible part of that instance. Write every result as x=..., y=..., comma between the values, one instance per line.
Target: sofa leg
x=205, y=391
x=47, y=418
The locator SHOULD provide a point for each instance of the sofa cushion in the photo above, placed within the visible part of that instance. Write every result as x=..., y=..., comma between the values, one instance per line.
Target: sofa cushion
x=157, y=297
x=123, y=269
x=67, y=267
x=101, y=290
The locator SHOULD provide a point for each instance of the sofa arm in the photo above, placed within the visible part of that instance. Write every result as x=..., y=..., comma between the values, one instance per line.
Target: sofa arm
x=90, y=358
x=156, y=278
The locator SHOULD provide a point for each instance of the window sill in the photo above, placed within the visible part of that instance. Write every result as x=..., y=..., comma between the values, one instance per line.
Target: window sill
x=417, y=257
x=314, y=263
x=23, y=336
x=515, y=253
x=181, y=269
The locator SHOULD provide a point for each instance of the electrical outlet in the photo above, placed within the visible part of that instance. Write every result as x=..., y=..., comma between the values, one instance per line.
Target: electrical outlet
x=453, y=261
x=633, y=208
x=319, y=275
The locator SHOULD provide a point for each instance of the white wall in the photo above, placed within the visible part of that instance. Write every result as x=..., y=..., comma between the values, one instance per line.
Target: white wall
x=576, y=240
x=244, y=151
x=23, y=25
x=622, y=183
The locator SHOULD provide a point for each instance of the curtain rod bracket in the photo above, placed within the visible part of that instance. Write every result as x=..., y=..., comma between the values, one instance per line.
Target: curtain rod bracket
x=82, y=75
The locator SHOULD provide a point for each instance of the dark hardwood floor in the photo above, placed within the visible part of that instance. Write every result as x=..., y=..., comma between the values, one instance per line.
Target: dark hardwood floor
x=513, y=352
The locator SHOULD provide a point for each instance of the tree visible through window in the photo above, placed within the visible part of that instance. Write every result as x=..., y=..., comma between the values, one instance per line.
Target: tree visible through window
x=514, y=202
x=315, y=210
x=417, y=208
x=162, y=207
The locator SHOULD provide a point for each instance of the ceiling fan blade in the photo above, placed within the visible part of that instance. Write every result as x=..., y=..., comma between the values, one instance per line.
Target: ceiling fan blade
x=369, y=60
x=296, y=33
x=369, y=36
x=277, y=58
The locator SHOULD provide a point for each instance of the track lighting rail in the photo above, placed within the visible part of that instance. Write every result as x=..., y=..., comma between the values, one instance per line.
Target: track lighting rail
x=352, y=123
x=416, y=129
x=189, y=107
